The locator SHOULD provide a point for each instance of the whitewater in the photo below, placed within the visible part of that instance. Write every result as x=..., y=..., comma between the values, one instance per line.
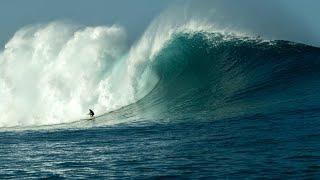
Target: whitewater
x=53, y=73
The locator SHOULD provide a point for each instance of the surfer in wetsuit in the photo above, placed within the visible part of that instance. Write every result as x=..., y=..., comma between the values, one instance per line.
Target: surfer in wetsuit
x=91, y=113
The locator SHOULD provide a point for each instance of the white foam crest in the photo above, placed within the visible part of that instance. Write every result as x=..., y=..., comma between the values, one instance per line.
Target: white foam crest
x=135, y=71
x=51, y=74
x=170, y=23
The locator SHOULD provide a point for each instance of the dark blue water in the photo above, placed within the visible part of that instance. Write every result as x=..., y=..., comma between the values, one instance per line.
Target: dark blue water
x=225, y=107
x=284, y=145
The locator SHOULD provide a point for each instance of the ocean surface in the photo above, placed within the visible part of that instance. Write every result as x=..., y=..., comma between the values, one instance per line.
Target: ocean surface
x=284, y=145
x=194, y=104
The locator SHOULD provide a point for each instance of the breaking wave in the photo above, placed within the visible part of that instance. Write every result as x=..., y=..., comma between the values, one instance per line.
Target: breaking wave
x=51, y=74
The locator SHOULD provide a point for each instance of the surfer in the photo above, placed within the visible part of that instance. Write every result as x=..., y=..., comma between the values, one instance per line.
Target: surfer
x=91, y=113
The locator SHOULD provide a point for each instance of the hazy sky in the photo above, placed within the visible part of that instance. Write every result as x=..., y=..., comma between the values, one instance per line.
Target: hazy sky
x=294, y=20
x=135, y=15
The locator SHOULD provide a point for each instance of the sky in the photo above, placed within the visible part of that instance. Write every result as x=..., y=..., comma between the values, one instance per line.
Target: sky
x=293, y=20
x=136, y=15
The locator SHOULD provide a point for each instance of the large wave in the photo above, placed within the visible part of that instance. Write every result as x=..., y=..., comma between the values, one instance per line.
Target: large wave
x=51, y=74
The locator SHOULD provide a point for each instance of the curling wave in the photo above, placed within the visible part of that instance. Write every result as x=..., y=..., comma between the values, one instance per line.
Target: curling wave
x=211, y=75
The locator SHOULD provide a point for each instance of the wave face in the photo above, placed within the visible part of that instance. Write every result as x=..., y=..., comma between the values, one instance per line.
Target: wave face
x=52, y=74
x=210, y=75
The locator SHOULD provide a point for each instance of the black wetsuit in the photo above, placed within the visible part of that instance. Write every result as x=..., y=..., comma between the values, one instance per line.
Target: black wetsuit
x=91, y=113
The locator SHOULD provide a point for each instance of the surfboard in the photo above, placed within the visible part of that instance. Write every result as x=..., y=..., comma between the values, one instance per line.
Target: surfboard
x=89, y=119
